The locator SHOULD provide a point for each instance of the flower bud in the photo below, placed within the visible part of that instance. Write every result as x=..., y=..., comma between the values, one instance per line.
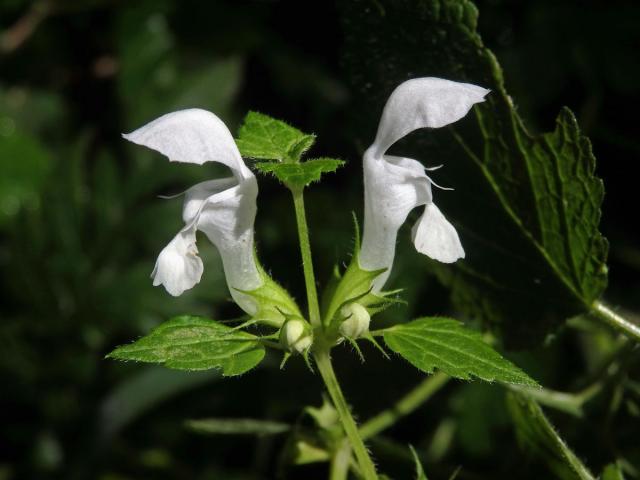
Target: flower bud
x=357, y=320
x=296, y=335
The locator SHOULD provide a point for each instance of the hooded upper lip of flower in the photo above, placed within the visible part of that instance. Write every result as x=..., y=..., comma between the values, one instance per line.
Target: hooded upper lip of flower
x=223, y=209
x=396, y=185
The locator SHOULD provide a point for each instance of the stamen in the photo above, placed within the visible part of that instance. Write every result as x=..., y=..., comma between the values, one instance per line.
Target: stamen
x=439, y=186
x=170, y=197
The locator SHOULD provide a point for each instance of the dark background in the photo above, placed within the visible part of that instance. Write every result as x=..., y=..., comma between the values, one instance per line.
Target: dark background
x=81, y=224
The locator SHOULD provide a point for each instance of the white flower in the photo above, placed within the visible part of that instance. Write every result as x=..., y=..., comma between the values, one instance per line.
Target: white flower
x=394, y=185
x=224, y=209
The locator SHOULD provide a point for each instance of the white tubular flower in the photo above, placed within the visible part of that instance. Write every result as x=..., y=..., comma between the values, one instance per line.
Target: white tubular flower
x=224, y=209
x=394, y=185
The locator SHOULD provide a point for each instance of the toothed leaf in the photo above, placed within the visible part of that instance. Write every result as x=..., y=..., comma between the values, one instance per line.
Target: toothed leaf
x=300, y=175
x=442, y=343
x=195, y=343
x=536, y=435
x=527, y=206
x=265, y=138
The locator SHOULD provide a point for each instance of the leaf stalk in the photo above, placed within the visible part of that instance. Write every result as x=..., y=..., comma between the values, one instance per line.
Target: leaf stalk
x=615, y=320
x=405, y=406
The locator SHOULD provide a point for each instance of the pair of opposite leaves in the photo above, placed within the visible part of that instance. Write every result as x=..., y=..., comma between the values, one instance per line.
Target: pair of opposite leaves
x=225, y=209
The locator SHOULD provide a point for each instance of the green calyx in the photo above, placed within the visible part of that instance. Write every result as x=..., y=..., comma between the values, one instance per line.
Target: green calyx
x=354, y=287
x=274, y=304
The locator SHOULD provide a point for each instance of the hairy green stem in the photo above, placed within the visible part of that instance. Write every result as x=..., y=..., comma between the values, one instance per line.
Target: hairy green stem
x=323, y=361
x=307, y=262
x=321, y=350
x=603, y=312
x=406, y=405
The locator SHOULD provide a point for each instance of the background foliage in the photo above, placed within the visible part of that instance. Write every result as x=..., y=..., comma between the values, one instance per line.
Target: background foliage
x=81, y=224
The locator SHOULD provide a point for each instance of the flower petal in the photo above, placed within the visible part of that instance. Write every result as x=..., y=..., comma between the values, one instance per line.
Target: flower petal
x=192, y=136
x=435, y=237
x=392, y=189
x=412, y=167
x=396, y=184
x=424, y=102
x=195, y=196
x=178, y=267
x=227, y=218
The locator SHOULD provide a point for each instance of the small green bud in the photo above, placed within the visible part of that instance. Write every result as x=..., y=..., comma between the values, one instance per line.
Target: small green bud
x=296, y=335
x=356, y=321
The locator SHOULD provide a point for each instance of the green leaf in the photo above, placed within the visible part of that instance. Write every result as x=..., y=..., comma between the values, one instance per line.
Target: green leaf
x=156, y=79
x=612, y=472
x=303, y=451
x=299, y=175
x=266, y=138
x=195, y=343
x=326, y=416
x=145, y=389
x=536, y=434
x=420, y=475
x=527, y=206
x=237, y=426
x=442, y=343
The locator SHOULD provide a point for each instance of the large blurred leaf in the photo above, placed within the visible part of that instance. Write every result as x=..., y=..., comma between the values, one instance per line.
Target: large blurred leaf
x=527, y=207
x=474, y=407
x=154, y=80
x=536, y=434
x=17, y=107
x=612, y=472
x=144, y=390
x=24, y=165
